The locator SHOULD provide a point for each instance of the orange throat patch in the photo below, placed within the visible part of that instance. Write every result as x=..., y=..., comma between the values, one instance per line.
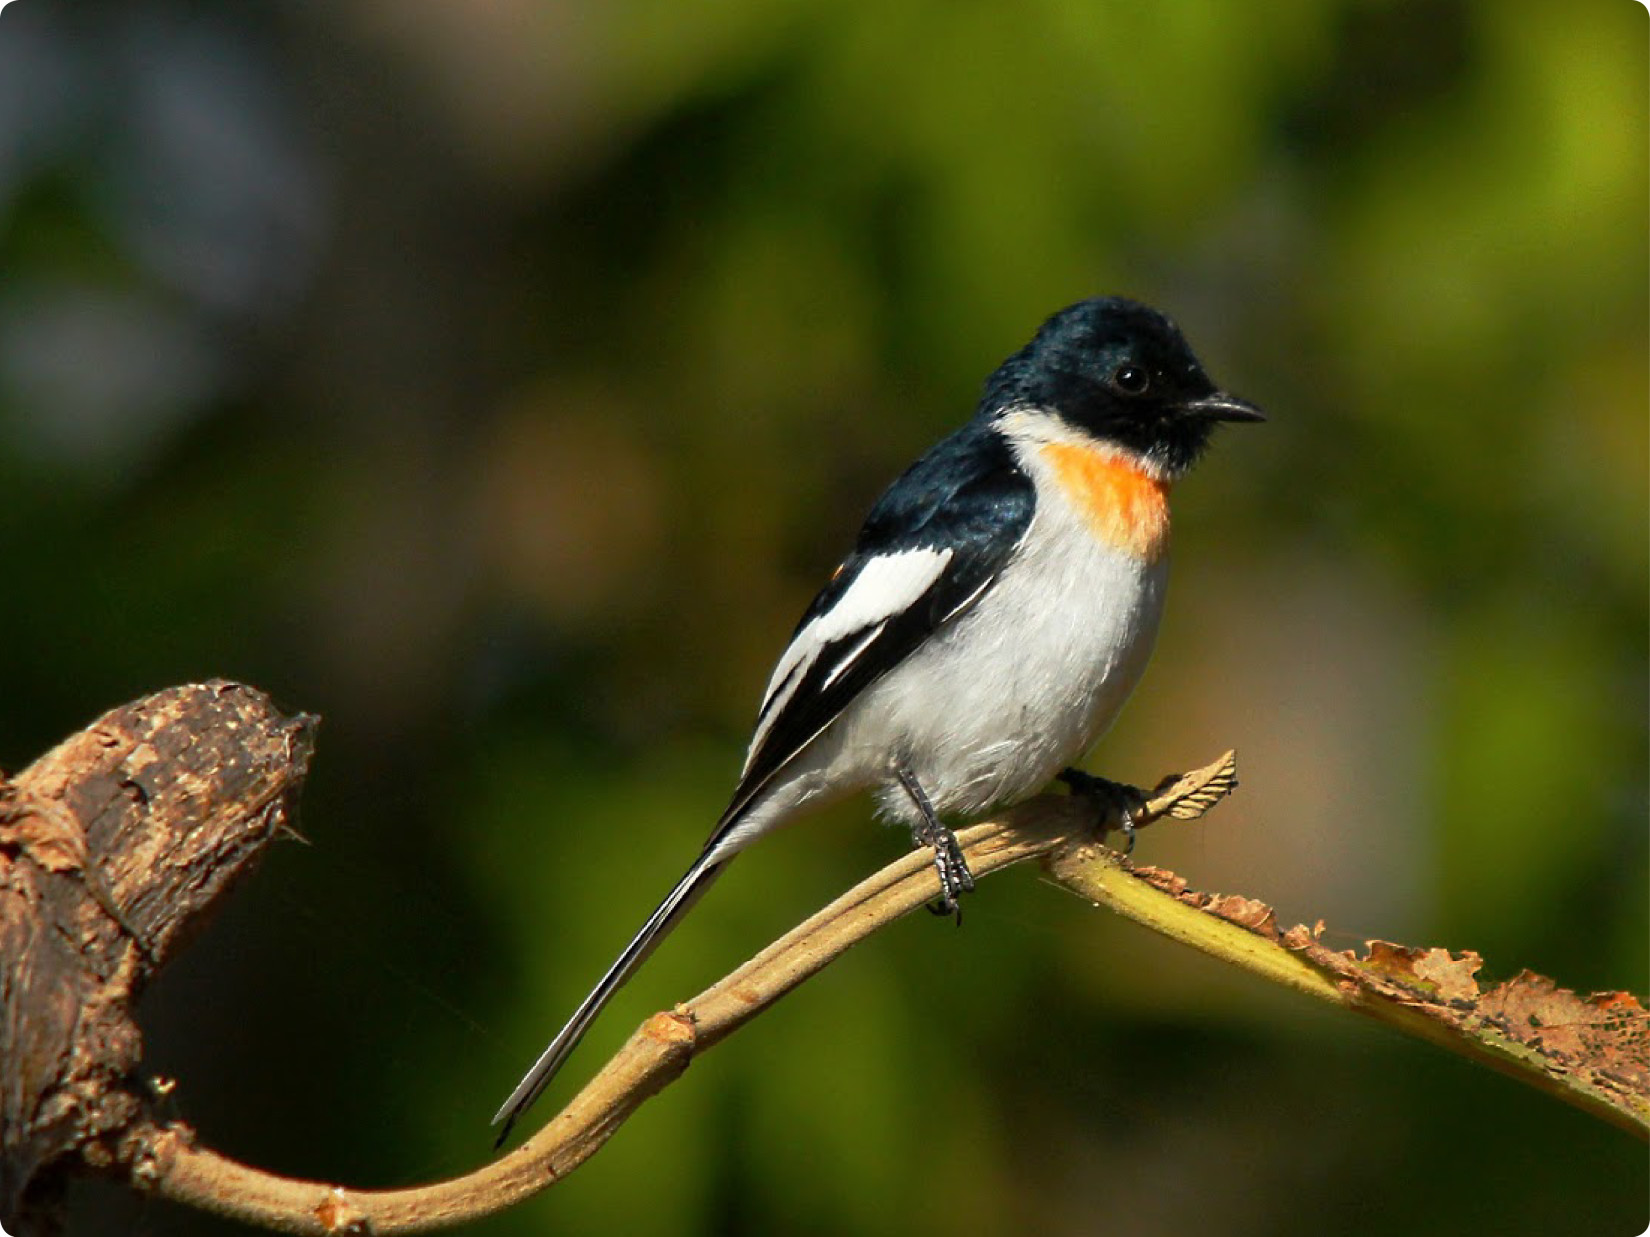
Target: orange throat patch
x=1127, y=508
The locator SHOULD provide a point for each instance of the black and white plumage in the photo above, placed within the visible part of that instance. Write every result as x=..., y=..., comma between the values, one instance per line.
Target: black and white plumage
x=998, y=607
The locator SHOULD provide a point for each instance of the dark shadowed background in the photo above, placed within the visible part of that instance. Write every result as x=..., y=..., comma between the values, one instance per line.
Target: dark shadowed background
x=498, y=381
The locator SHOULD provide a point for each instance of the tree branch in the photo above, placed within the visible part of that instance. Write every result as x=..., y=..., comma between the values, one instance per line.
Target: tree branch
x=210, y=799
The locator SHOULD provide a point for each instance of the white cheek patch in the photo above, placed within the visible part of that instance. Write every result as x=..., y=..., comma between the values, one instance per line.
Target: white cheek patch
x=886, y=586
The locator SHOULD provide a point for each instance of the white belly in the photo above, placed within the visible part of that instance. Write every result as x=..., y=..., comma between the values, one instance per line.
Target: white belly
x=994, y=706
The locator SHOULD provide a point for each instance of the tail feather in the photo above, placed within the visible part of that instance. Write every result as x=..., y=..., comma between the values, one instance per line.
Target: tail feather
x=658, y=925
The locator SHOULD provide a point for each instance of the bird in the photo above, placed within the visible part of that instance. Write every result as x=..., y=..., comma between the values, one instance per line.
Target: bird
x=997, y=608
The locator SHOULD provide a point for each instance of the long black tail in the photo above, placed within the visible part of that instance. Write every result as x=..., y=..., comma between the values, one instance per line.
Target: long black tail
x=659, y=923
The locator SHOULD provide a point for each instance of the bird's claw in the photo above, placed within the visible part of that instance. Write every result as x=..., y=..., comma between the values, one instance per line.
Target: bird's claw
x=949, y=864
x=1113, y=799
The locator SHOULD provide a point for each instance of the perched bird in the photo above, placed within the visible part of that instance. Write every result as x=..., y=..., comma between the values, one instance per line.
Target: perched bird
x=997, y=609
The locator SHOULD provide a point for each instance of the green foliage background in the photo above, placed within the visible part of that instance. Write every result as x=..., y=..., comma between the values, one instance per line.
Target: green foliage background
x=499, y=380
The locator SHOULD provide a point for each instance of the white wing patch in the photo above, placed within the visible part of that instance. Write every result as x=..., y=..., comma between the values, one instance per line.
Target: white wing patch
x=852, y=655
x=885, y=586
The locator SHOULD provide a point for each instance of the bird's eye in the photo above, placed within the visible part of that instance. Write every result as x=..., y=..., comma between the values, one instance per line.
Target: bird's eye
x=1130, y=379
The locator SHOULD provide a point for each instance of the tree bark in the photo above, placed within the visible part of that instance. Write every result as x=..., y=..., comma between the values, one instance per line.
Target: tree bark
x=115, y=848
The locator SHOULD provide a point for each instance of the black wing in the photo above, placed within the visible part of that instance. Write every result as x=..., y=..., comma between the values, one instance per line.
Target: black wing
x=937, y=538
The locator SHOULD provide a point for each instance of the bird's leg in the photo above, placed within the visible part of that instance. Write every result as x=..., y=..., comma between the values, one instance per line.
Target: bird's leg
x=1109, y=797
x=955, y=878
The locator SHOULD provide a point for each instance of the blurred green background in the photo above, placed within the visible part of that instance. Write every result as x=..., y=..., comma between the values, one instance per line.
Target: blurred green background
x=499, y=380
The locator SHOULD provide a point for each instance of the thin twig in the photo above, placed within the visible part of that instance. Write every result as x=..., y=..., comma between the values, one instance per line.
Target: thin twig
x=1592, y=1052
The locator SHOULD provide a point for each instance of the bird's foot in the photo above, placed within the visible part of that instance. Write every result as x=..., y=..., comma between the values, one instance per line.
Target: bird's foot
x=949, y=864
x=952, y=869
x=1114, y=800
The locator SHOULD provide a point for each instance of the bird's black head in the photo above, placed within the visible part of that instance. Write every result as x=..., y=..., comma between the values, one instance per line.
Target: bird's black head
x=1121, y=372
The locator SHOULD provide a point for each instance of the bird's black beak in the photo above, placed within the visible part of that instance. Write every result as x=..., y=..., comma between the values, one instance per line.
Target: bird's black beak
x=1219, y=406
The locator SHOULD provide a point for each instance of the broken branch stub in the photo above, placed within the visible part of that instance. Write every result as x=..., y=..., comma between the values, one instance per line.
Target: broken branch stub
x=115, y=848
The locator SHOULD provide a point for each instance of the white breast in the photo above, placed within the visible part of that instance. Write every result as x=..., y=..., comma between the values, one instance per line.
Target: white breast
x=1024, y=684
